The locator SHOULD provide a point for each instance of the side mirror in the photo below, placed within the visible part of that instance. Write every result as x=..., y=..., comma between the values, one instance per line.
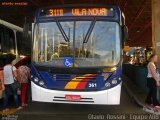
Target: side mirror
x=124, y=33
x=26, y=30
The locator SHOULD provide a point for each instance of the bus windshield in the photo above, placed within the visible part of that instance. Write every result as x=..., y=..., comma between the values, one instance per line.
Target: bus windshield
x=54, y=42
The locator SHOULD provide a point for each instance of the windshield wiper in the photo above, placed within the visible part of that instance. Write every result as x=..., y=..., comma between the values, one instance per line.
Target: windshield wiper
x=62, y=31
x=89, y=31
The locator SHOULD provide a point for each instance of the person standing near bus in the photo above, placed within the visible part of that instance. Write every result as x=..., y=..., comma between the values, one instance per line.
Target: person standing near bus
x=23, y=77
x=9, y=73
x=153, y=82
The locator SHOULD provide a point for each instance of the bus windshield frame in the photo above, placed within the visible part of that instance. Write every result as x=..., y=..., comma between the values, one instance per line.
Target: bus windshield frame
x=69, y=35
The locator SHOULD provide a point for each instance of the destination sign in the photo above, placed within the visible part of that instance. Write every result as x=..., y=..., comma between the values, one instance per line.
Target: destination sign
x=60, y=12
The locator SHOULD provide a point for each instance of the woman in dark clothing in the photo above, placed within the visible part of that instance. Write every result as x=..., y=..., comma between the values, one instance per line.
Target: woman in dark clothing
x=152, y=83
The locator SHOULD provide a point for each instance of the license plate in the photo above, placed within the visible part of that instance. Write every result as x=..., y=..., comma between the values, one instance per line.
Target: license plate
x=73, y=97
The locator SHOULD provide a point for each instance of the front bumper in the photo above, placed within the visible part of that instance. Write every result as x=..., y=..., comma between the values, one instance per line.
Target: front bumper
x=106, y=97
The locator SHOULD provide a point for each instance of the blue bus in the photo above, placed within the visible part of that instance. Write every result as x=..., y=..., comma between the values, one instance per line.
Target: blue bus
x=77, y=54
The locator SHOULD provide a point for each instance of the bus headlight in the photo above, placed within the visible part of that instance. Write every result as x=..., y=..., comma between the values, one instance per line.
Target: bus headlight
x=114, y=81
x=119, y=78
x=36, y=79
x=31, y=76
x=41, y=82
x=107, y=84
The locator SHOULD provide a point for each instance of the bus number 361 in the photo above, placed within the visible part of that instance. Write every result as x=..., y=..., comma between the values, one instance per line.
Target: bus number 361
x=92, y=85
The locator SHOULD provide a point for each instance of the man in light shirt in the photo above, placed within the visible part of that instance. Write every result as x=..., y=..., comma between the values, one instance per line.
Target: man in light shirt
x=9, y=73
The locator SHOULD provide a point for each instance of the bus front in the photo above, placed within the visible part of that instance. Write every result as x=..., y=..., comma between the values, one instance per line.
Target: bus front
x=77, y=55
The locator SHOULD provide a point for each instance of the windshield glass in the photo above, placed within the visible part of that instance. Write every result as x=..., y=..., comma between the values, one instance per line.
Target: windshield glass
x=101, y=49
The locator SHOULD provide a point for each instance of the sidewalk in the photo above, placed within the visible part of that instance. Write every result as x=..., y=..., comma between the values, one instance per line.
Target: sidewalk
x=134, y=91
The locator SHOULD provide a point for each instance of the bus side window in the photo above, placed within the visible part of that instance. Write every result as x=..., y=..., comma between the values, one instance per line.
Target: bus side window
x=1, y=38
x=20, y=43
x=24, y=48
x=9, y=41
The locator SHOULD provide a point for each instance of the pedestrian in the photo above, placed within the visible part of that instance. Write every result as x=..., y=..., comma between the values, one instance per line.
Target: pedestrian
x=9, y=77
x=152, y=82
x=23, y=77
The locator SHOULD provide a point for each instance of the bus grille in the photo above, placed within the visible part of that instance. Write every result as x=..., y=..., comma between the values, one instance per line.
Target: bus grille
x=68, y=77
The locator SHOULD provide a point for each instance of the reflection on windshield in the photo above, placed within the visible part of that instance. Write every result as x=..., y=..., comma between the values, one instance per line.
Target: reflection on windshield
x=102, y=48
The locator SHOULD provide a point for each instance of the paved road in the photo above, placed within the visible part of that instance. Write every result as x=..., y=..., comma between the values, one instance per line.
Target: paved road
x=47, y=111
